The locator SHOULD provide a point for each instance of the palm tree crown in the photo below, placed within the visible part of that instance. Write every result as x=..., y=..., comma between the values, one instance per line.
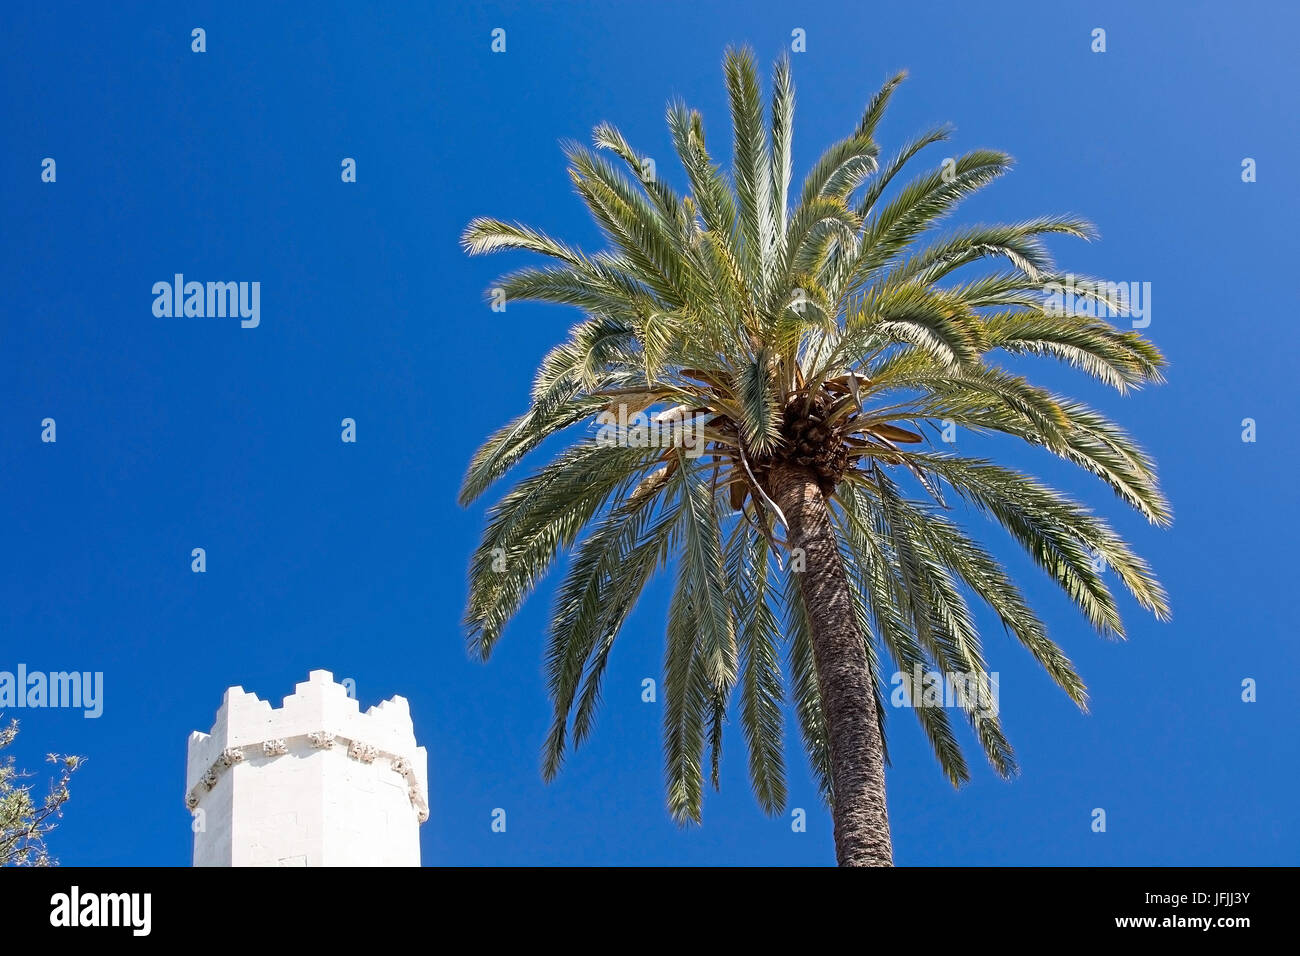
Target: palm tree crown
x=832, y=333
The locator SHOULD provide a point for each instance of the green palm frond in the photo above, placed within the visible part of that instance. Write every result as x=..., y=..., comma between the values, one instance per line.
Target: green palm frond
x=804, y=693
x=762, y=692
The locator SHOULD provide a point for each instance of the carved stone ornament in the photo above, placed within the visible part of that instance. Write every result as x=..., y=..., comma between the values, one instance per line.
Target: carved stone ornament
x=363, y=752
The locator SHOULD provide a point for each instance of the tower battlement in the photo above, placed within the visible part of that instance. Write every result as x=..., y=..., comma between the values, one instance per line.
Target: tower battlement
x=314, y=782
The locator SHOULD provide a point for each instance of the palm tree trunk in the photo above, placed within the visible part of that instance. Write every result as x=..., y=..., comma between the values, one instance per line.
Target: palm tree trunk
x=843, y=676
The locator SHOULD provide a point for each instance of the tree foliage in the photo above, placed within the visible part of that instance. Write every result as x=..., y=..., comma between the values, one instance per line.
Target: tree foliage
x=25, y=819
x=844, y=324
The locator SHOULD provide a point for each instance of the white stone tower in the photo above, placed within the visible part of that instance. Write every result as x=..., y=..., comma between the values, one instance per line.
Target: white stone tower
x=313, y=783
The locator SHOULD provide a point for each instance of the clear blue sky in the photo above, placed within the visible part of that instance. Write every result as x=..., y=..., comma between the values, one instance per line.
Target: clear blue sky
x=176, y=434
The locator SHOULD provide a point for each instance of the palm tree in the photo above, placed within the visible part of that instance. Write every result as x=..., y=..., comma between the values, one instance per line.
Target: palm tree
x=781, y=370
